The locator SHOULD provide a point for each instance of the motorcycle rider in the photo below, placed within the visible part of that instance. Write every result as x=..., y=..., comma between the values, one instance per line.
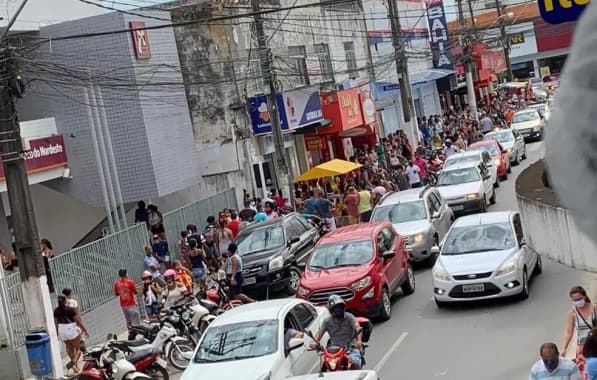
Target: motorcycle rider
x=341, y=327
x=449, y=149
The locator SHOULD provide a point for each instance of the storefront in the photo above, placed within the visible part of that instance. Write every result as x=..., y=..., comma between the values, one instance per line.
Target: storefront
x=490, y=62
x=297, y=109
x=353, y=126
x=553, y=44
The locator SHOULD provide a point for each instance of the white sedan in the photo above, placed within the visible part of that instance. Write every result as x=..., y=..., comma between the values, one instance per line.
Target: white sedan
x=249, y=342
x=484, y=256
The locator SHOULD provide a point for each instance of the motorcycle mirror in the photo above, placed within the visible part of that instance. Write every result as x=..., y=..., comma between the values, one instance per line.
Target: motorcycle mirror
x=109, y=336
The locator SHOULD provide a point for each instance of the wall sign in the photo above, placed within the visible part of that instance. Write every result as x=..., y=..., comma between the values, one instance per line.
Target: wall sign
x=303, y=107
x=516, y=38
x=439, y=35
x=44, y=154
x=559, y=11
x=140, y=40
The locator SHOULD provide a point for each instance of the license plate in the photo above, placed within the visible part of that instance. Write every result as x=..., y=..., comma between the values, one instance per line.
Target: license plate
x=250, y=281
x=473, y=288
x=457, y=207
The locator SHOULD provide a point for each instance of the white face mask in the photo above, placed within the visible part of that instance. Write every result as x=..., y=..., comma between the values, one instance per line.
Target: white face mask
x=579, y=303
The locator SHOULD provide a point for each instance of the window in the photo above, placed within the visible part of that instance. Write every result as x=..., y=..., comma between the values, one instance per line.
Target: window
x=298, y=55
x=434, y=203
x=486, y=157
x=295, y=228
x=386, y=240
x=255, y=75
x=305, y=314
x=351, y=59
x=518, y=228
x=325, y=62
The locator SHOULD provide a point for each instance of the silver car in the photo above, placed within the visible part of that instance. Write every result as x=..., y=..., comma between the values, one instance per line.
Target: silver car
x=512, y=142
x=484, y=256
x=421, y=216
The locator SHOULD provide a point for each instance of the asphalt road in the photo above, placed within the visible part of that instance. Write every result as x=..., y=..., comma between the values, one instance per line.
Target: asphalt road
x=490, y=340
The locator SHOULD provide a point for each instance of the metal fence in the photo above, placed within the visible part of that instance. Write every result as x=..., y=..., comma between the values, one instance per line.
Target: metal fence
x=14, y=309
x=197, y=212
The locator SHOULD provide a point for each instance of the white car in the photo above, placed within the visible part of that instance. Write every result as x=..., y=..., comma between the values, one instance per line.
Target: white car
x=543, y=110
x=484, y=256
x=475, y=156
x=512, y=142
x=248, y=342
x=341, y=375
x=466, y=187
x=529, y=123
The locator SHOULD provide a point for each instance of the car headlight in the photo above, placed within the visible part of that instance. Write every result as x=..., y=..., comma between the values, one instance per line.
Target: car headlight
x=441, y=274
x=506, y=268
x=302, y=291
x=362, y=283
x=276, y=263
x=472, y=196
x=418, y=238
x=497, y=161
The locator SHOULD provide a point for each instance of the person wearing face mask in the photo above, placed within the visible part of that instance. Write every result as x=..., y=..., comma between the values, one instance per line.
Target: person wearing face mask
x=552, y=366
x=582, y=317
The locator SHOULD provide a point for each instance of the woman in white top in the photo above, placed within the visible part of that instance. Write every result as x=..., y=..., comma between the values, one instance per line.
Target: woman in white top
x=223, y=238
x=175, y=292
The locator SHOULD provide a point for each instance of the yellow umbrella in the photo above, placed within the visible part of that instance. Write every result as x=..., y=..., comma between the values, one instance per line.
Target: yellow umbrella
x=328, y=169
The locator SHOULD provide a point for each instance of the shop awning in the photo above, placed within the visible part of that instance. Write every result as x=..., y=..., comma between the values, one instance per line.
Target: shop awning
x=313, y=127
x=429, y=75
x=328, y=169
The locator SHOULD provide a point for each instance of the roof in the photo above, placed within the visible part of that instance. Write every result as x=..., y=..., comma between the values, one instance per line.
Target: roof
x=482, y=143
x=352, y=233
x=461, y=165
x=484, y=218
x=274, y=222
x=483, y=20
x=526, y=110
x=468, y=153
x=256, y=311
x=402, y=196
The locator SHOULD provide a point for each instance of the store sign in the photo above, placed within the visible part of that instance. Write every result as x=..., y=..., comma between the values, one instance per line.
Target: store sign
x=439, y=35
x=140, y=40
x=260, y=118
x=303, y=107
x=368, y=108
x=43, y=154
x=385, y=35
x=350, y=108
x=516, y=39
x=559, y=11
x=313, y=143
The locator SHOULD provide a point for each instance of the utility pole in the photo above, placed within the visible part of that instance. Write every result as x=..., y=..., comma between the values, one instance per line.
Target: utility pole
x=505, y=40
x=282, y=162
x=370, y=66
x=408, y=109
x=468, y=61
x=36, y=295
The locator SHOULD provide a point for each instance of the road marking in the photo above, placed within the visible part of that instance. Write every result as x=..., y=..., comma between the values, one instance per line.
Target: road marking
x=394, y=347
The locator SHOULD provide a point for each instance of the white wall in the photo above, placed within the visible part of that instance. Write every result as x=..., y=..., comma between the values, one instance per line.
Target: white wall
x=45, y=12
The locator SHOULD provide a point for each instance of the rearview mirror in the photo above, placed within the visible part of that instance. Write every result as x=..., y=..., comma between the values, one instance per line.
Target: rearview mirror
x=434, y=250
x=388, y=254
x=295, y=343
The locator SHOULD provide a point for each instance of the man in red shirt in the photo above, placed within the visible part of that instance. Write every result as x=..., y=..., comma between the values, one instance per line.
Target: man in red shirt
x=234, y=223
x=126, y=290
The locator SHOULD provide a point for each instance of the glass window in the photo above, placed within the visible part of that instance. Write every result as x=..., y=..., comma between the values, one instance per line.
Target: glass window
x=458, y=176
x=238, y=341
x=518, y=228
x=435, y=201
x=479, y=238
x=525, y=116
x=305, y=314
x=501, y=136
x=298, y=57
x=400, y=213
x=388, y=239
x=260, y=239
x=348, y=254
x=492, y=149
x=325, y=62
x=351, y=59
x=295, y=227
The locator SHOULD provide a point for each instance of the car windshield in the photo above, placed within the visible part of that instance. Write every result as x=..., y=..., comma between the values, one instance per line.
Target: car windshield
x=347, y=254
x=400, y=213
x=502, y=136
x=238, y=341
x=540, y=108
x=489, y=148
x=525, y=116
x=458, y=176
x=460, y=160
x=259, y=240
x=480, y=238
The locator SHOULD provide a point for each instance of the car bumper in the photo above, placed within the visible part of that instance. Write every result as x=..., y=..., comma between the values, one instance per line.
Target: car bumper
x=274, y=280
x=477, y=289
x=463, y=207
x=419, y=251
x=531, y=134
x=366, y=302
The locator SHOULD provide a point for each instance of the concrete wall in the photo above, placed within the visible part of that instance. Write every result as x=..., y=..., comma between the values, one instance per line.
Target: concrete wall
x=38, y=13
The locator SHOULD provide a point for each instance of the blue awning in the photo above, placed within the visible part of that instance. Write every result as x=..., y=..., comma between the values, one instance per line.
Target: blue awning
x=429, y=75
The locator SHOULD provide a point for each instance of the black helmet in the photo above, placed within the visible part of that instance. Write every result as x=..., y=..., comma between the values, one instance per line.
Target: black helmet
x=335, y=300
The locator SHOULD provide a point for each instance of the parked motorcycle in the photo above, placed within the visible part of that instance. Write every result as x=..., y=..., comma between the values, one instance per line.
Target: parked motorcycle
x=219, y=294
x=99, y=364
x=321, y=224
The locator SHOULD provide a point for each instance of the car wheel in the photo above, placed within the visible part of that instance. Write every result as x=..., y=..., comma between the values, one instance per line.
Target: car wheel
x=408, y=287
x=386, y=305
x=538, y=266
x=524, y=293
x=441, y=304
x=524, y=153
x=492, y=199
x=293, y=280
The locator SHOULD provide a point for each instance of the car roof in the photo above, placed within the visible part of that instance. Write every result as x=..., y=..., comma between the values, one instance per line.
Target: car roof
x=526, y=110
x=484, y=218
x=468, y=153
x=340, y=375
x=498, y=132
x=482, y=143
x=461, y=165
x=353, y=232
x=273, y=222
x=409, y=195
x=256, y=311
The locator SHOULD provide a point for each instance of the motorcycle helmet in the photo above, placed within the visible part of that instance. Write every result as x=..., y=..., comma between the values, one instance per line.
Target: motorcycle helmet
x=170, y=273
x=336, y=306
x=146, y=274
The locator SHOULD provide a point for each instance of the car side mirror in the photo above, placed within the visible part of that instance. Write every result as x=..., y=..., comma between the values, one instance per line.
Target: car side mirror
x=522, y=242
x=294, y=239
x=434, y=250
x=295, y=343
x=435, y=215
x=388, y=254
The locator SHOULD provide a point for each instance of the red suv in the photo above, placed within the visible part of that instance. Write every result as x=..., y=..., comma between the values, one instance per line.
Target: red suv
x=364, y=264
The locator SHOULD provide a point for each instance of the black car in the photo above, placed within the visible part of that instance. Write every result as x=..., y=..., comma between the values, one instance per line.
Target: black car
x=275, y=252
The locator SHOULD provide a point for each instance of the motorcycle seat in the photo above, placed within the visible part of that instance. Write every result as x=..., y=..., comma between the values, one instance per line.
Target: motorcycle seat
x=136, y=356
x=209, y=305
x=128, y=345
x=145, y=328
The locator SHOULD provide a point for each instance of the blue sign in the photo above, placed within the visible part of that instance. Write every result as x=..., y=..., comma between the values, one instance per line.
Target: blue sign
x=296, y=108
x=559, y=11
x=385, y=36
x=440, y=44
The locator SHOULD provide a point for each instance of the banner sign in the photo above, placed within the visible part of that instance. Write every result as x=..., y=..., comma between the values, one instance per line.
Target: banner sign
x=385, y=36
x=260, y=119
x=559, y=11
x=303, y=107
x=44, y=154
x=439, y=35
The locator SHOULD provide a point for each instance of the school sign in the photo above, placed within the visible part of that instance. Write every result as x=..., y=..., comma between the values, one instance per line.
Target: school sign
x=560, y=11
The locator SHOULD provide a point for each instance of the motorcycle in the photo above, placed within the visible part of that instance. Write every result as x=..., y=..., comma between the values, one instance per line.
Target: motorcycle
x=219, y=294
x=337, y=358
x=321, y=224
x=99, y=364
